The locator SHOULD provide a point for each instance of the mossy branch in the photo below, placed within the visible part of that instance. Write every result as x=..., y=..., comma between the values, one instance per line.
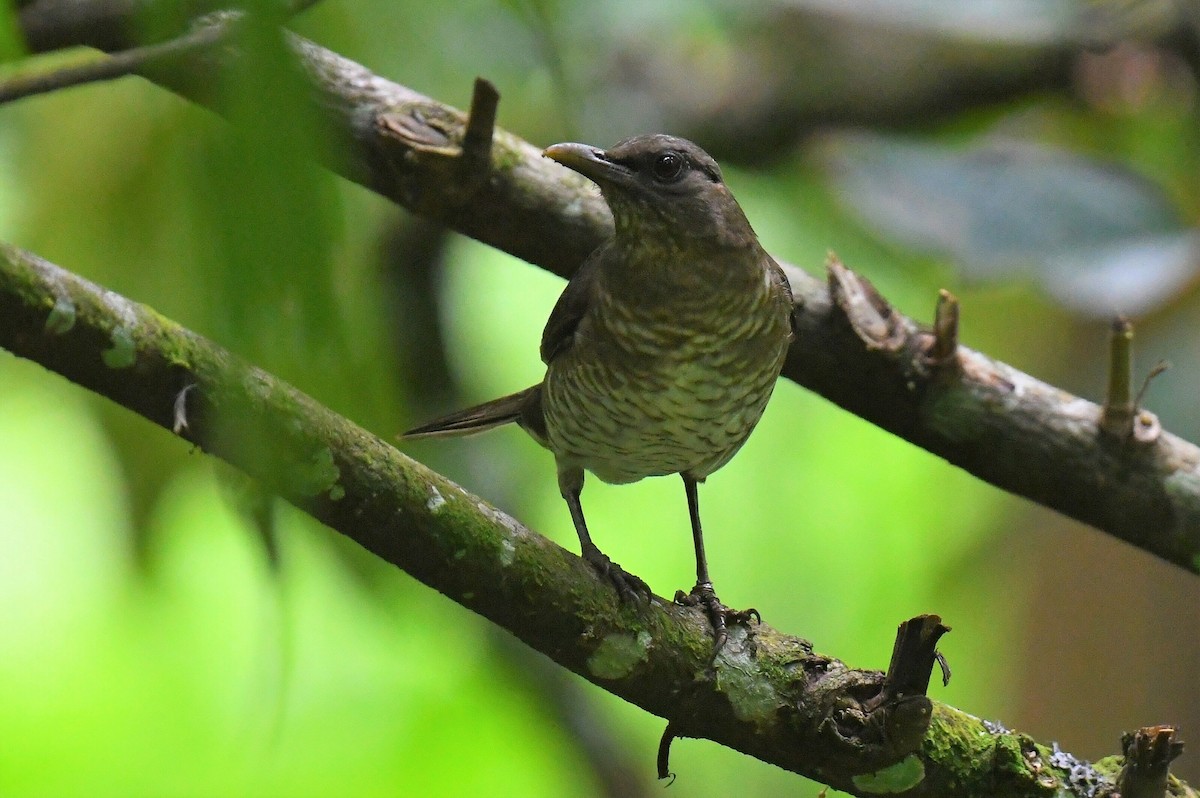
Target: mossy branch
x=767, y=694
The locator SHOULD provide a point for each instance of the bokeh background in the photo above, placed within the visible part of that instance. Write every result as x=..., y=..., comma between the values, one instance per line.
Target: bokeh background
x=166, y=629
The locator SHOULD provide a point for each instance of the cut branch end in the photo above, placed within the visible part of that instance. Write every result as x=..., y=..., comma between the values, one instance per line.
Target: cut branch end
x=1148, y=755
x=481, y=126
x=944, y=350
x=1117, y=416
x=1121, y=417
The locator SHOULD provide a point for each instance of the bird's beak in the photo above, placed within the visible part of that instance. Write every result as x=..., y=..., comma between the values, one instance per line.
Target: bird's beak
x=588, y=161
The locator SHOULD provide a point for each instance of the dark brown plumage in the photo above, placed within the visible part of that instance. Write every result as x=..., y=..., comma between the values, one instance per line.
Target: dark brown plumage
x=662, y=351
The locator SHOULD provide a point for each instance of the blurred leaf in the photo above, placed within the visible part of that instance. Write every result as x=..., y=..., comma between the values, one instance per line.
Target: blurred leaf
x=1025, y=22
x=114, y=685
x=271, y=213
x=1132, y=276
x=1016, y=21
x=1097, y=236
x=12, y=44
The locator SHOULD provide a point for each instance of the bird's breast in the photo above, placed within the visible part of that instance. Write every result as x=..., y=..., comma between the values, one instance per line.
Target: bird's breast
x=658, y=388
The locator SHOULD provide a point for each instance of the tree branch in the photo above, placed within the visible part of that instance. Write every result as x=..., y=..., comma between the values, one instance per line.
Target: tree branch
x=1000, y=424
x=119, y=65
x=819, y=717
x=767, y=694
x=997, y=423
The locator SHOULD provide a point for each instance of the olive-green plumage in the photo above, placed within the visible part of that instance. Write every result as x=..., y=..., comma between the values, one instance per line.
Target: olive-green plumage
x=664, y=347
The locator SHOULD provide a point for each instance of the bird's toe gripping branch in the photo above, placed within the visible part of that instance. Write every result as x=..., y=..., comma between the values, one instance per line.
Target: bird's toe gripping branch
x=630, y=587
x=719, y=616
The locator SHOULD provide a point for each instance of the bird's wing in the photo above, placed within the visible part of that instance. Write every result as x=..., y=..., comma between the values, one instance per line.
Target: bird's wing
x=570, y=308
x=784, y=287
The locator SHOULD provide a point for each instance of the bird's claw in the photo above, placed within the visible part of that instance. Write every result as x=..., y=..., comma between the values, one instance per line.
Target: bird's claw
x=630, y=587
x=719, y=615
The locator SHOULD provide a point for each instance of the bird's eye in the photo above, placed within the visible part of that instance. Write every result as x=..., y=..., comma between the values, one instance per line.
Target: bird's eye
x=668, y=167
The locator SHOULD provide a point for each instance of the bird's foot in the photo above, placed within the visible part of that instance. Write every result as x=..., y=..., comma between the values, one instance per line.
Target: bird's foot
x=719, y=615
x=629, y=587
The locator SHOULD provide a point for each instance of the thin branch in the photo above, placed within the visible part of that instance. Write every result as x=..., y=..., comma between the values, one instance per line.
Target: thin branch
x=118, y=25
x=110, y=67
x=944, y=350
x=769, y=696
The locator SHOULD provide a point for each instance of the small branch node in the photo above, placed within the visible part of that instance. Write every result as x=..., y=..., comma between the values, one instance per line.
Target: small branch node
x=1121, y=417
x=1117, y=416
x=944, y=349
x=422, y=127
x=871, y=317
x=457, y=147
x=481, y=126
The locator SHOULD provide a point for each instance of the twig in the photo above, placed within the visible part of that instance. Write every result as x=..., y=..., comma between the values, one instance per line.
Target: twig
x=118, y=65
x=114, y=26
x=1122, y=419
x=1117, y=417
x=945, y=331
x=481, y=125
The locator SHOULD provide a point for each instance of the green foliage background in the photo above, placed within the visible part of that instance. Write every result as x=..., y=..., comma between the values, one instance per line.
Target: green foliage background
x=149, y=645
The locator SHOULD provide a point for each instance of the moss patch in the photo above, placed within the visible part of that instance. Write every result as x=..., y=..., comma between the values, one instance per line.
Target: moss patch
x=904, y=775
x=618, y=654
x=123, y=353
x=62, y=316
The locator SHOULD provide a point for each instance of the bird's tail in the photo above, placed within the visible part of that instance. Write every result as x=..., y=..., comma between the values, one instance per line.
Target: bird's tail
x=496, y=413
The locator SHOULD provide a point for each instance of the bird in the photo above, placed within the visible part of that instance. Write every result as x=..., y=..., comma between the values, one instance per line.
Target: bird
x=663, y=349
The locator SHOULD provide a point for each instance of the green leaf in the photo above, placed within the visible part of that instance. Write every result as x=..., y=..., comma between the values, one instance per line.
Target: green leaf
x=12, y=43
x=1097, y=236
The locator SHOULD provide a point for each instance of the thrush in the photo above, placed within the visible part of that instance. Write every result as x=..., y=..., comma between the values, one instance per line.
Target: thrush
x=662, y=350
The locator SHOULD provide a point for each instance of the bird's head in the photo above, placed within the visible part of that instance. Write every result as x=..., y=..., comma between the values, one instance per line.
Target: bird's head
x=659, y=185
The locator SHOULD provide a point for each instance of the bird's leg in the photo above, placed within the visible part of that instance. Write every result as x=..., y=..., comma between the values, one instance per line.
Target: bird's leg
x=703, y=594
x=629, y=587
